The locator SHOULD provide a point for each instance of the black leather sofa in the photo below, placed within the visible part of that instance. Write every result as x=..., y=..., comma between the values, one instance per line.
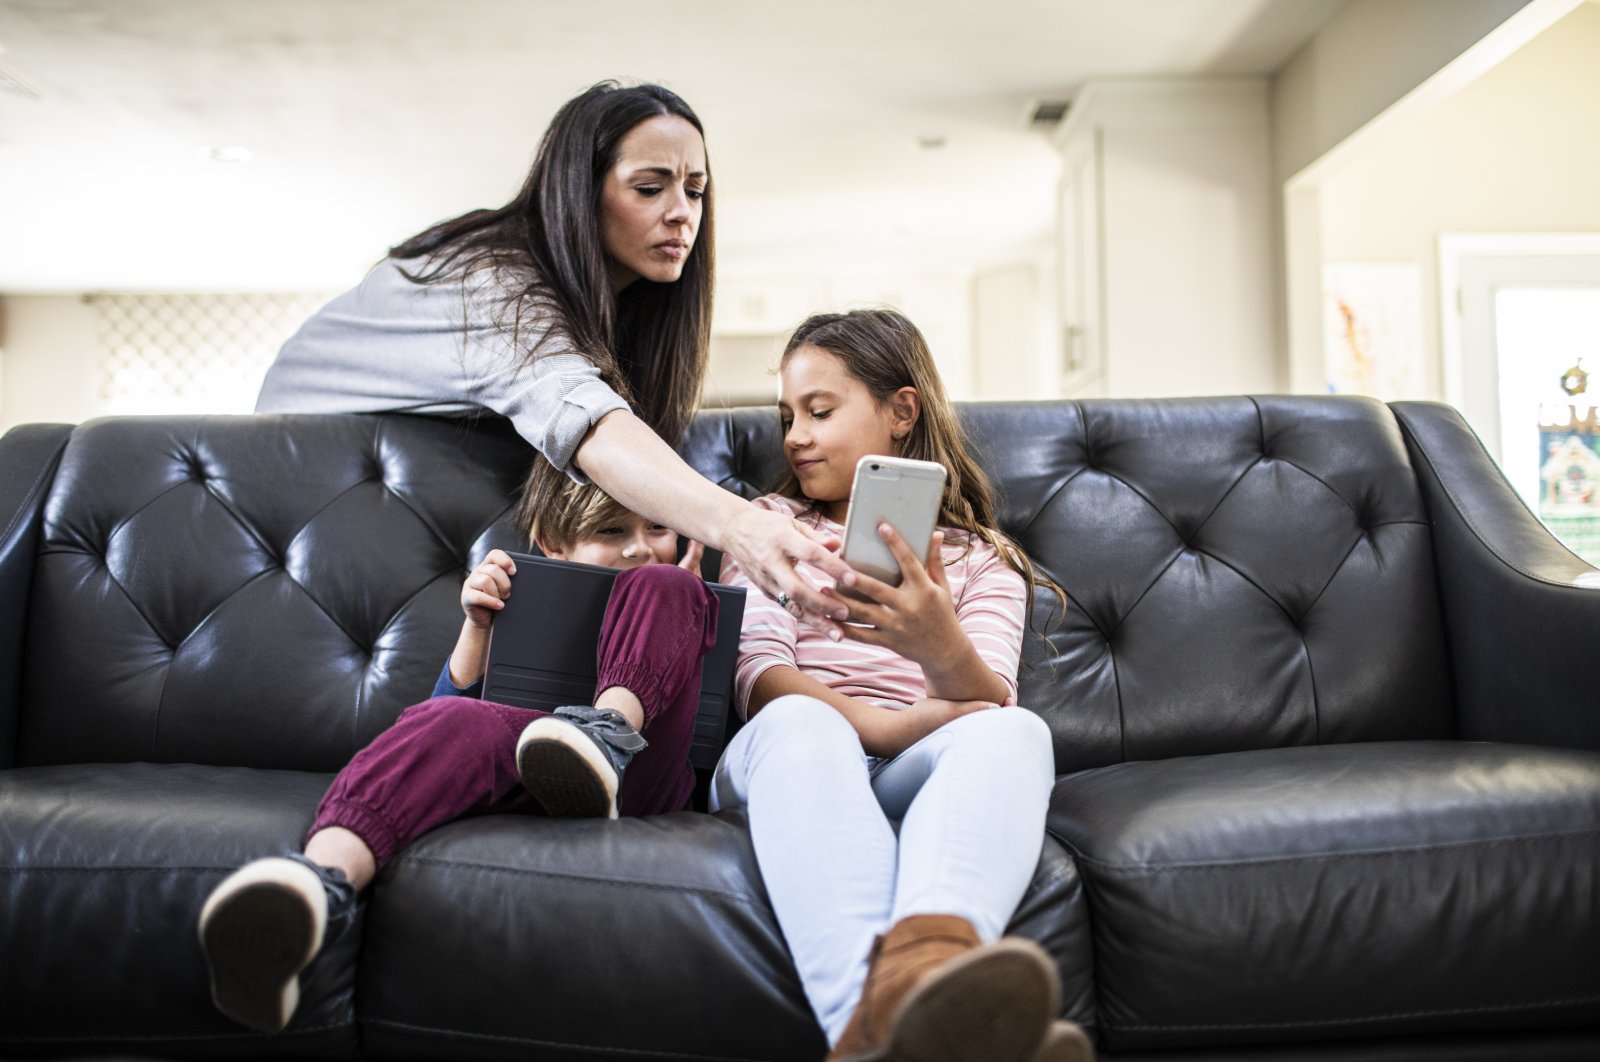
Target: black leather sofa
x=1324, y=701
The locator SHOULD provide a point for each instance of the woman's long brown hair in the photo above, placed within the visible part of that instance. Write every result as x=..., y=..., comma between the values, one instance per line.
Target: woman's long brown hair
x=543, y=250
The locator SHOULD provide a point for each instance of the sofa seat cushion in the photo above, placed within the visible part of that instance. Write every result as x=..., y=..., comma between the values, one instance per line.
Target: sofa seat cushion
x=103, y=870
x=528, y=938
x=1346, y=890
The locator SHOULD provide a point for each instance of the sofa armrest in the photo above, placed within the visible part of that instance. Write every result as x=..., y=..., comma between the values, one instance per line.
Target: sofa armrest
x=29, y=455
x=1520, y=609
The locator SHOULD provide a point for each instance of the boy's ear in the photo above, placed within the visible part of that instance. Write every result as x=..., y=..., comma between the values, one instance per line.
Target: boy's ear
x=549, y=549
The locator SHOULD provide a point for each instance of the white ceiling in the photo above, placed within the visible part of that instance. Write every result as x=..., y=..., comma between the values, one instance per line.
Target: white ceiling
x=368, y=119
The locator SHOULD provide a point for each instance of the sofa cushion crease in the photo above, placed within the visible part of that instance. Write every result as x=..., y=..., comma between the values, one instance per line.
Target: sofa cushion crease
x=103, y=870
x=481, y=902
x=1323, y=878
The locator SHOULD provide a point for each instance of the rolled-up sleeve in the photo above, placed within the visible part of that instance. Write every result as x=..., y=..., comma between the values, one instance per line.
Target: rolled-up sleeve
x=555, y=402
x=533, y=375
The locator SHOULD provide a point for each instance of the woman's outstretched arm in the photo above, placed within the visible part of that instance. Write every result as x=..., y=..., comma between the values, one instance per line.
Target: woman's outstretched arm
x=633, y=465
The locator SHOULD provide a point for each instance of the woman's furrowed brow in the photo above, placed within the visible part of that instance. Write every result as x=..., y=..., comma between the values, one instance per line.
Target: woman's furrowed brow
x=667, y=171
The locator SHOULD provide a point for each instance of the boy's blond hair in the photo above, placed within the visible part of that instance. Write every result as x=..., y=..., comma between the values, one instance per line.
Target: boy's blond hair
x=573, y=512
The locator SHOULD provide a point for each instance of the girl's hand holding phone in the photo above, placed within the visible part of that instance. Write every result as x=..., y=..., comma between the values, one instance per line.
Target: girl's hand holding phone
x=486, y=588
x=916, y=619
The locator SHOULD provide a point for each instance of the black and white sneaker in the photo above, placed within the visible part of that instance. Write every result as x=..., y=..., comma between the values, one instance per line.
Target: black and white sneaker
x=261, y=927
x=572, y=761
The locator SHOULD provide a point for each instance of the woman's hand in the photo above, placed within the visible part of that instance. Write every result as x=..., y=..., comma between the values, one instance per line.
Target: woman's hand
x=912, y=724
x=631, y=463
x=486, y=588
x=916, y=619
x=767, y=545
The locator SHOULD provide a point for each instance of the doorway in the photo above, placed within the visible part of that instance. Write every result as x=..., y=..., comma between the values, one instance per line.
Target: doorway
x=1525, y=312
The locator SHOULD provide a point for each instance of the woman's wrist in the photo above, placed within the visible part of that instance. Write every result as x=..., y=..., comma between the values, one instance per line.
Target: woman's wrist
x=725, y=518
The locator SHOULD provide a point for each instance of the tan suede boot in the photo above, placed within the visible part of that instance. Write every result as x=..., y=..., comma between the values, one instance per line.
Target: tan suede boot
x=935, y=994
x=1065, y=1041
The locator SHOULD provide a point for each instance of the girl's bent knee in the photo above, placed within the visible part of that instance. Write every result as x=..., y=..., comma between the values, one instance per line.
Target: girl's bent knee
x=796, y=717
x=1010, y=724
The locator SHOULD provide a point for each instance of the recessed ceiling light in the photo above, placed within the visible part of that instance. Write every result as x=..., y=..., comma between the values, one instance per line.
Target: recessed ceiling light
x=227, y=153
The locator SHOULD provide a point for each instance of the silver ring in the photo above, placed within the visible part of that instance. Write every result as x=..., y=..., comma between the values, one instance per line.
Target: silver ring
x=782, y=599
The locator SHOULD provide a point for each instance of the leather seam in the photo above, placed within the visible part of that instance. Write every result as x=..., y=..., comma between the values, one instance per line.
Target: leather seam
x=288, y=1034
x=1315, y=1022
x=390, y=1023
x=1465, y=517
x=1136, y=869
x=26, y=509
x=143, y=868
x=648, y=886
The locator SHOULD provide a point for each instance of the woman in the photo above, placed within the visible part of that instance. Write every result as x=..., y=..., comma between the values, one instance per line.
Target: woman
x=581, y=310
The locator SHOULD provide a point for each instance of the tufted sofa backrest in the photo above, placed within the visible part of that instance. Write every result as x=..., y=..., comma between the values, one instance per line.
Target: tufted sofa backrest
x=272, y=591
x=1241, y=572
x=259, y=591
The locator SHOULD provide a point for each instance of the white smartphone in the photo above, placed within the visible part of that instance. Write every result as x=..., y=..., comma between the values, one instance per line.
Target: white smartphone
x=897, y=490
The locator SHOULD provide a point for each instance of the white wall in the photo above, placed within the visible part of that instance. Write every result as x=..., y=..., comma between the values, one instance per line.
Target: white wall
x=51, y=367
x=756, y=312
x=1518, y=150
x=52, y=349
x=1188, y=294
x=1374, y=68
x=1189, y=288
x=1006, y=332
x=1368, y=56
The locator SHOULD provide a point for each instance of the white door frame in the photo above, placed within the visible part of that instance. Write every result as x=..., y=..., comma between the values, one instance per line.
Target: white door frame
x=1470, y=363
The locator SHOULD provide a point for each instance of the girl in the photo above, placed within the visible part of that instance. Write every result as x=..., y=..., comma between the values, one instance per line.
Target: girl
x=897, y=941
x=454, y=755
x=581, y=310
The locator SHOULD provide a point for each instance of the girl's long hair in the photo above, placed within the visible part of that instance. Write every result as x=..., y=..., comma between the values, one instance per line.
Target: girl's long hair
x=543, y=250
x=886, y=352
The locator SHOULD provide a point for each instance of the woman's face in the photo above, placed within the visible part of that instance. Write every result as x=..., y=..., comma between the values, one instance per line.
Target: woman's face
x=651, y=201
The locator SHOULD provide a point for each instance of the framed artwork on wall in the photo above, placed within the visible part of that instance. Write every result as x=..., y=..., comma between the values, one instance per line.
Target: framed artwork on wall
x=1372, y=328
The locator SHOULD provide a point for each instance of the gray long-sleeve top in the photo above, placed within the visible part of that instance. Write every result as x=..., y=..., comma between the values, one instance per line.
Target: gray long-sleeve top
x=389, y=344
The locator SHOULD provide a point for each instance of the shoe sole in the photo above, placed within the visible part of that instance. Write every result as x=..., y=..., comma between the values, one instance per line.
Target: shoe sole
x=258, y=931
x=565, y=772
x=1065, y=1042
x=992, y=1004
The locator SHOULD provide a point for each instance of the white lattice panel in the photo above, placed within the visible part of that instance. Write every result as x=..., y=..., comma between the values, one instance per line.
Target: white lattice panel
x=192, y=353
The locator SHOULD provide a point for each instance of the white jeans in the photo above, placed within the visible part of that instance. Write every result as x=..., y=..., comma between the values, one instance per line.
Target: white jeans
x=971, y=798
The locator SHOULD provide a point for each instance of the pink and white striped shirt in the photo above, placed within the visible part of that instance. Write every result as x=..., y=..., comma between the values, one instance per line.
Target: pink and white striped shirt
x=988, y=595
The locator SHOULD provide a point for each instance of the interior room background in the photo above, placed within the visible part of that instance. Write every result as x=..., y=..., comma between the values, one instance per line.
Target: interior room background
x=1083, y=199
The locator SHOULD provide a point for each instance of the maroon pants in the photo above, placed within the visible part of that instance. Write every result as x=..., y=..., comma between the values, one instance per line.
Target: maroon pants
x=452, y=757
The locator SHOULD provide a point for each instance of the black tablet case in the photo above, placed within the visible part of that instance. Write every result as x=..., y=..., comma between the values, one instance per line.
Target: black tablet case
x=542, y=646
